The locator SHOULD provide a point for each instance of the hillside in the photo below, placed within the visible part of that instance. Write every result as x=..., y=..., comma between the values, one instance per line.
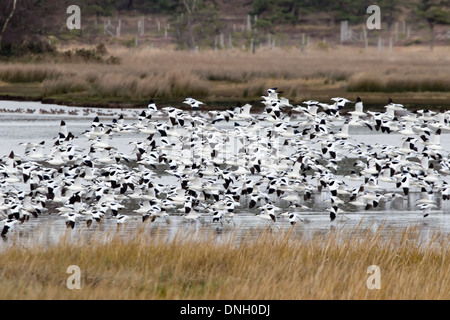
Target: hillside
x=39, y=26
x=129, y=51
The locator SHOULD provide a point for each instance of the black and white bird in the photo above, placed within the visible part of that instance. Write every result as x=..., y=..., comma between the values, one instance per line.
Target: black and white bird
x=9, y=225
x=195, y=104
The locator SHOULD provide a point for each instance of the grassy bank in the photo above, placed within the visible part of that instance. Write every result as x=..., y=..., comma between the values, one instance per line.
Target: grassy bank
x=328, y=265
x=414, y=73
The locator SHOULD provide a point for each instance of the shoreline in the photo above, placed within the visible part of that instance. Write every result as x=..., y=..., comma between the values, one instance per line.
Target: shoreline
x=374, y=100
x=170, y=76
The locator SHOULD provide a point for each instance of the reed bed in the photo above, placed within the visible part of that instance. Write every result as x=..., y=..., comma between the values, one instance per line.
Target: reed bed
x=170, y=74
x=290, y=264
x=25, y=73
x=403, y=82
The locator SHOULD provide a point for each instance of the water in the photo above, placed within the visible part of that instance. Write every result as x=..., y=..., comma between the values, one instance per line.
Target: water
x=17, y=125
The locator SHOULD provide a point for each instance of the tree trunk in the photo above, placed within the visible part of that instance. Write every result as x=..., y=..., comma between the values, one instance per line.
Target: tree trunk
x=6, y=22
x=191, y=40
x=432, y=35
x=189, y=11
x=130, y=4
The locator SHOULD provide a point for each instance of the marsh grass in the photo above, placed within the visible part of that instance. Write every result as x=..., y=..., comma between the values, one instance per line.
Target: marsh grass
x=292, y=264
x=415, y=82
x=130, y=84
x=26, y=73
x=169, y=74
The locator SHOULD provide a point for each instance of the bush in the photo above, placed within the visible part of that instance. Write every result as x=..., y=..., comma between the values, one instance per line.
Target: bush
x=88, y=55
x=16, y=49
x=113, y=60
x=322, y=45
x=101, y=49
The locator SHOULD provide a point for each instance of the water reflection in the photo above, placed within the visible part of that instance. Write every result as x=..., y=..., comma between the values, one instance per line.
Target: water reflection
x=51, y=229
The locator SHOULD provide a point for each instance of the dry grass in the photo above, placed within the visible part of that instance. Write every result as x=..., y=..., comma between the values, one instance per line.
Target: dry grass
x=25, y=73
x=129, y=84
x=329, y=265
x=403, y=81
x=234, y=74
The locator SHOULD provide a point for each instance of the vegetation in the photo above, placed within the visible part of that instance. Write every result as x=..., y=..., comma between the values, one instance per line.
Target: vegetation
x=41, y=60
x=32, y=24
x=198, y=23
x=261, y=265
x=126, y=76
x=434, y=12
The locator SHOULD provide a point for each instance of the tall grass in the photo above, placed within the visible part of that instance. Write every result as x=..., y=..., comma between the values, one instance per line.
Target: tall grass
x=24, y=73
x=153, y=73
x=116, y=83
x=407, y=82
x=286, y=265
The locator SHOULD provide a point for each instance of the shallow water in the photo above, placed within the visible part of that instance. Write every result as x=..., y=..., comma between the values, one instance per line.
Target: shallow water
x=43, y=125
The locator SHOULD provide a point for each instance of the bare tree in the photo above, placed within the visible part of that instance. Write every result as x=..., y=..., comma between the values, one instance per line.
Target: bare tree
x=7, y=20
x=196, y=22
x=190, y=6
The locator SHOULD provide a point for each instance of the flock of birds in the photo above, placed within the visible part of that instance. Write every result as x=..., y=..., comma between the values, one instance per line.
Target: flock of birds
x=224, y=160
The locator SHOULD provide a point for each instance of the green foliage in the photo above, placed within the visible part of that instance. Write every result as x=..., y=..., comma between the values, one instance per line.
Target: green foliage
x=198, y=23
x=264, y=24
x=276, y=12
x=155, y=6
x=412, y=42
x=322, y=45
x=16, y=49
x=434, y=11
x=87, y=55
x=260, y=6
x=129, y=43
x=290, y=11
x=98, y=7
x=96, y=55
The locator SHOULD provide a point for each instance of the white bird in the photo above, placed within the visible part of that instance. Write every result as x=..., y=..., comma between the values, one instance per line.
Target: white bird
x=71, y=218
x=272, y=95
x=358, y=109
x=293, y=217
x=121, y=219
x=9, y=225
x=268, y=212
x=195, y=104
